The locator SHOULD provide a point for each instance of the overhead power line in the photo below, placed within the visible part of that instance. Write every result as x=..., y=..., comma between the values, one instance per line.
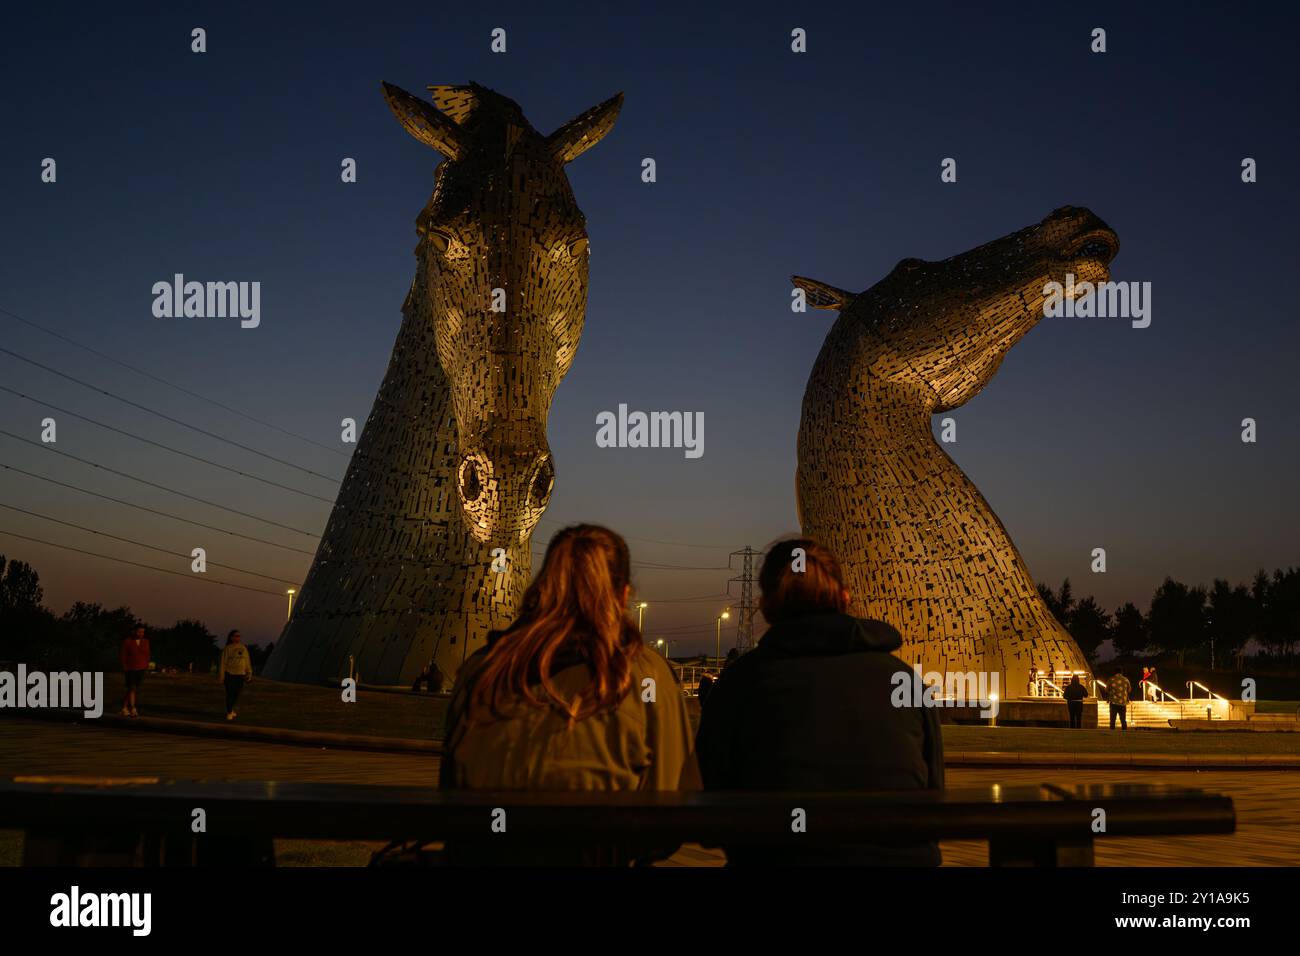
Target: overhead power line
x=632, y=537
x=154, y=511
x=703, y=598
x=151, y=484
x=657, y=567
x=258, y=421
x=180, y=388
x=157, y=444
x=164, y=417
x=136, y=564
x=141, y=544
x=235, y=411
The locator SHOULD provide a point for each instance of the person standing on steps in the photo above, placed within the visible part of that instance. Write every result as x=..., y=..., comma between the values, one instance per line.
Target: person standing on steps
x=135, y=661
x=235, y=670
x=1119, y=690
x=1075, y=692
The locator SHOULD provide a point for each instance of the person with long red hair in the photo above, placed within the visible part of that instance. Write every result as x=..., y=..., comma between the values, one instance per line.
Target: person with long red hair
x=569, y=697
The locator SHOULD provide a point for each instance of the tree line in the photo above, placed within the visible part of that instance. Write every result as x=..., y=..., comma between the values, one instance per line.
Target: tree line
x=88, y=636
x=1185, y=619
x=1179, y=619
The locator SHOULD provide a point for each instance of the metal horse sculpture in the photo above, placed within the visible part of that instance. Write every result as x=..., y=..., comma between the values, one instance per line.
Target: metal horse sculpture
x=427, y=548
x=920, y=546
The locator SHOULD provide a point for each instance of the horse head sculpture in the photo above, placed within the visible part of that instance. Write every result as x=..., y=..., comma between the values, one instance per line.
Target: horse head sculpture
x=503, y=260
x=920, y=546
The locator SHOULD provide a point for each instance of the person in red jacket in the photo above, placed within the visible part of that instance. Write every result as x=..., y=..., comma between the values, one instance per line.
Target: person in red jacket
x=135, y=661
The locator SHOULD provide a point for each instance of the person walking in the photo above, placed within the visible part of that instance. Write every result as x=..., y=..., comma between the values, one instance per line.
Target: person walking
x=568, y=697
x=134, y=656
x=235, y=670
x=1118, y=694
x=814, y=709
x=704, y=688
x=1075, y=692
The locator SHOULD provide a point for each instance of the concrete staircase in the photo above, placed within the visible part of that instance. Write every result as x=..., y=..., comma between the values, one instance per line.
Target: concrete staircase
x=1145, y=713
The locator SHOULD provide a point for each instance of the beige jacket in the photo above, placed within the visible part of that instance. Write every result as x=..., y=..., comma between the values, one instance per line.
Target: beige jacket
x=235, y=661
x=638, y=745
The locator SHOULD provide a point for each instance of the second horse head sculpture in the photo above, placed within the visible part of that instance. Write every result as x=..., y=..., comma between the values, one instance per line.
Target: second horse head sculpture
x=920, y=546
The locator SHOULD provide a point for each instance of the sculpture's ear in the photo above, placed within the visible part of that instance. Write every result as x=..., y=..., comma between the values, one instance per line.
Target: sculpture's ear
x=424, y=122
x=583, y=132
x=455, y=102
x=823, y=296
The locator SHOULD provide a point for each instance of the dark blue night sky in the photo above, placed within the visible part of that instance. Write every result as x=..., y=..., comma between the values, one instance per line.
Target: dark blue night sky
x=225, y=166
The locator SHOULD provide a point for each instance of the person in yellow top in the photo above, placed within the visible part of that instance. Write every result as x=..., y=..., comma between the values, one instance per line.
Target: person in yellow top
x=235, y=670
x=569, y=697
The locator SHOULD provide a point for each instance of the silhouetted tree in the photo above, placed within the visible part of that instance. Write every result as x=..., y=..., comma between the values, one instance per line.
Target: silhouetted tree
x=1060, y=604
x=1280, y=611
x=260, y=655
x=91, y=636
x=1232, y=618
x=1089, y=626
x=184, y=643
x=1177, y=618
x=1129, y=631
x=26, y=626
x=20, y=587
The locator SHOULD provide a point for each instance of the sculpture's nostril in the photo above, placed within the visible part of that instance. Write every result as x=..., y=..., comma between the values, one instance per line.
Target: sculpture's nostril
x=543, y=481
x=471, y=483
x=1096, y=249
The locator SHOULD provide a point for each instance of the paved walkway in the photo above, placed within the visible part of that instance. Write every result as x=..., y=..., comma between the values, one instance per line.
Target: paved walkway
x=1267, y=801
x=53, y=748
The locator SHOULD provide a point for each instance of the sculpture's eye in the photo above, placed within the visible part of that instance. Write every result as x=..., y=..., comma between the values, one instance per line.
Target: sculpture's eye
x=440, y=240
x=579, y=247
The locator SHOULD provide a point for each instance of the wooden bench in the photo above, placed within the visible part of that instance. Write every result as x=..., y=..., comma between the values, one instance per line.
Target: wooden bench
x=88, y=821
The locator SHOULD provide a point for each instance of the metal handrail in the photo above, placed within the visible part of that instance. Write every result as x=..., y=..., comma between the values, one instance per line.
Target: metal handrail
x=1159, y=689
x=1191, y=692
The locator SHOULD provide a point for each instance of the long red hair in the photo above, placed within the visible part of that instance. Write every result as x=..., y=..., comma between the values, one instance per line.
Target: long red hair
x=575, y=604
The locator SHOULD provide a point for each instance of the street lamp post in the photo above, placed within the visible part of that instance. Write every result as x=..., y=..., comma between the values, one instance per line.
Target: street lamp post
x=291, y=593
x=640, y=614
x=725, y=615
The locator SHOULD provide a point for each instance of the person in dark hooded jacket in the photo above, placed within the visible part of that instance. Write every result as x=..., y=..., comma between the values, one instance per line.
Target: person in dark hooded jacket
x=811, y=709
